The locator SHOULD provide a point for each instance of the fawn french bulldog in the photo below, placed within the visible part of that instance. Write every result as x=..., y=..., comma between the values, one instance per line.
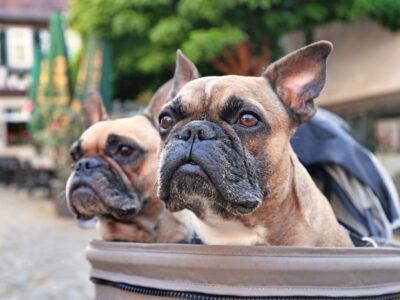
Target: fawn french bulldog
x=114, y=176
x=226, y=154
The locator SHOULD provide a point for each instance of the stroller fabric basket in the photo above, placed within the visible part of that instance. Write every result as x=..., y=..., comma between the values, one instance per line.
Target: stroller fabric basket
x=183, y=271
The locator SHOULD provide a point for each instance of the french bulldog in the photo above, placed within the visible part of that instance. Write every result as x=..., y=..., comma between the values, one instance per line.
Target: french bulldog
x=226, y=154
x=114, y=177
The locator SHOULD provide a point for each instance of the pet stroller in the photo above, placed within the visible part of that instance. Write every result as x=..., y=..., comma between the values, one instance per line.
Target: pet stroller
x=361, y=192
x=366, y=204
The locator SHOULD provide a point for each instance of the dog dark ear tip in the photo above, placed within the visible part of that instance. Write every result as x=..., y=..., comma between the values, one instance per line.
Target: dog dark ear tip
x=323, y=46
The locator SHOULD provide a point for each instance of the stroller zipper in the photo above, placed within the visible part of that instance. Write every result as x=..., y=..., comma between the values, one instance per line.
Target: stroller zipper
x=199, y=296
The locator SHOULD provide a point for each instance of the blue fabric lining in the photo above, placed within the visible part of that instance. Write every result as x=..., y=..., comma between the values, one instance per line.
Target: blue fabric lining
x=325, y=140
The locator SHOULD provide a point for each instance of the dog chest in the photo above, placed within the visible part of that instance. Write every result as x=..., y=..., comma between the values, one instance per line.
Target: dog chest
x=215, y=231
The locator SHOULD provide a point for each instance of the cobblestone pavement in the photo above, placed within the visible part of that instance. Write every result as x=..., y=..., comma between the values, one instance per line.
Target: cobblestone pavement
x=41, y=254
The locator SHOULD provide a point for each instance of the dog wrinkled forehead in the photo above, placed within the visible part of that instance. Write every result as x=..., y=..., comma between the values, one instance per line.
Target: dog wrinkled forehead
x=208, y=95
x=193, y=97
x=137, y=128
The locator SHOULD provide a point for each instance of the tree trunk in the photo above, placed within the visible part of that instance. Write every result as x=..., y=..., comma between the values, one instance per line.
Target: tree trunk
x=238, y=60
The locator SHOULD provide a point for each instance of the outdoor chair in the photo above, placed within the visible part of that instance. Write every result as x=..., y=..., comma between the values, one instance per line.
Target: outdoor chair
x=39, y=178
x=10, y=170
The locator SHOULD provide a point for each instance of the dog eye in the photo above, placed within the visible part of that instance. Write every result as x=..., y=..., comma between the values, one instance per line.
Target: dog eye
x=166, y=122
x=248, y=120
x=125, y=150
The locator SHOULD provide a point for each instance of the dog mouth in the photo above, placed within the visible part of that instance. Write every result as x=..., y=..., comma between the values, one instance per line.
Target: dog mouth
x=193, y=180
x=86, y=200
x=244, y=207
x=191, y=167
x=206, y=167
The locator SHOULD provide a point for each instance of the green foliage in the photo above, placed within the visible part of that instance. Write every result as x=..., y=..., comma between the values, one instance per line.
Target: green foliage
x=146, y=33
x=387, y=12
x=169, y=31
x=197, y=44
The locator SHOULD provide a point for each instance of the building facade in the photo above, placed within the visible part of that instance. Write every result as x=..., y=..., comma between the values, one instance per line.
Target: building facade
x=23, y=25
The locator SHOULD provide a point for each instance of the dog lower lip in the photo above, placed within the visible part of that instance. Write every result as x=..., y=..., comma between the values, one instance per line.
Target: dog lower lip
x=244, y=210
x=78, y=184
x=83, y=217
x=81, y=188
x=192, y=168
x=124, y=214
x=247, y=207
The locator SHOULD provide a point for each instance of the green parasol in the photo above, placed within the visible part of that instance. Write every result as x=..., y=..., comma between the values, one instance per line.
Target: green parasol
x=94, y=72
x=35, y=73
x=59, y=85
x=53, y=124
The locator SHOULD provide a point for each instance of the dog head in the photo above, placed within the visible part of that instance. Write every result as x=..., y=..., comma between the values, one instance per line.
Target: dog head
x=224, y=138
x=114, y=167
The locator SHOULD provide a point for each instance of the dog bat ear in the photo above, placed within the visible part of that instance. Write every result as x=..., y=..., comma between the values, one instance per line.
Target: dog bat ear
x=299, y=77
x=185, y=71
x=93, y=109
x=158, y=100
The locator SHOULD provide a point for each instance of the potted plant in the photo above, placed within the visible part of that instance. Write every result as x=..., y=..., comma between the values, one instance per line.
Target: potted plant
x=54, y=127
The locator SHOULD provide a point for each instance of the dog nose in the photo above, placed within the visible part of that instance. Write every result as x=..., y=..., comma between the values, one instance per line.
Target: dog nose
x=87, y=165
x=197, y=129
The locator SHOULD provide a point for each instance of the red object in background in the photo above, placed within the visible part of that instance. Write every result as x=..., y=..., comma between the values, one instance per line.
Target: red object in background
x=55, y=126
x=388, y=135
x=28, y=107
x=17, y=134
x=11, y=138
x=25, y=135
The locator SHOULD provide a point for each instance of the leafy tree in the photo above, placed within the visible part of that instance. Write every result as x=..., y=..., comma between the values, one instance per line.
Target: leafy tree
x=221, y=36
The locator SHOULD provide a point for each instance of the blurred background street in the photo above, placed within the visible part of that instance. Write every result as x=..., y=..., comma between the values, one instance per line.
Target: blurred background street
x=56, y=269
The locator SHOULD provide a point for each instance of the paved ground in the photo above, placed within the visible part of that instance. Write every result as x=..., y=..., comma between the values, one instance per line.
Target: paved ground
x=41, y=255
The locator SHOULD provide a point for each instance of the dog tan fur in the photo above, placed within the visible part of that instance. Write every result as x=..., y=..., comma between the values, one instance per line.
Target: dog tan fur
x=280, y=205
x=139, y=216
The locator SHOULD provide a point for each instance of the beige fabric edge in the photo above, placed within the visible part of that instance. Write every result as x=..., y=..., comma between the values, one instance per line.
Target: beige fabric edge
x=249, y=271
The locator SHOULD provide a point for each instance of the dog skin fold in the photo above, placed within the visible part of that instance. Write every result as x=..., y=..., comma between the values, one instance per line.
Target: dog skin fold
x=243, y=183
x=114, y=173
